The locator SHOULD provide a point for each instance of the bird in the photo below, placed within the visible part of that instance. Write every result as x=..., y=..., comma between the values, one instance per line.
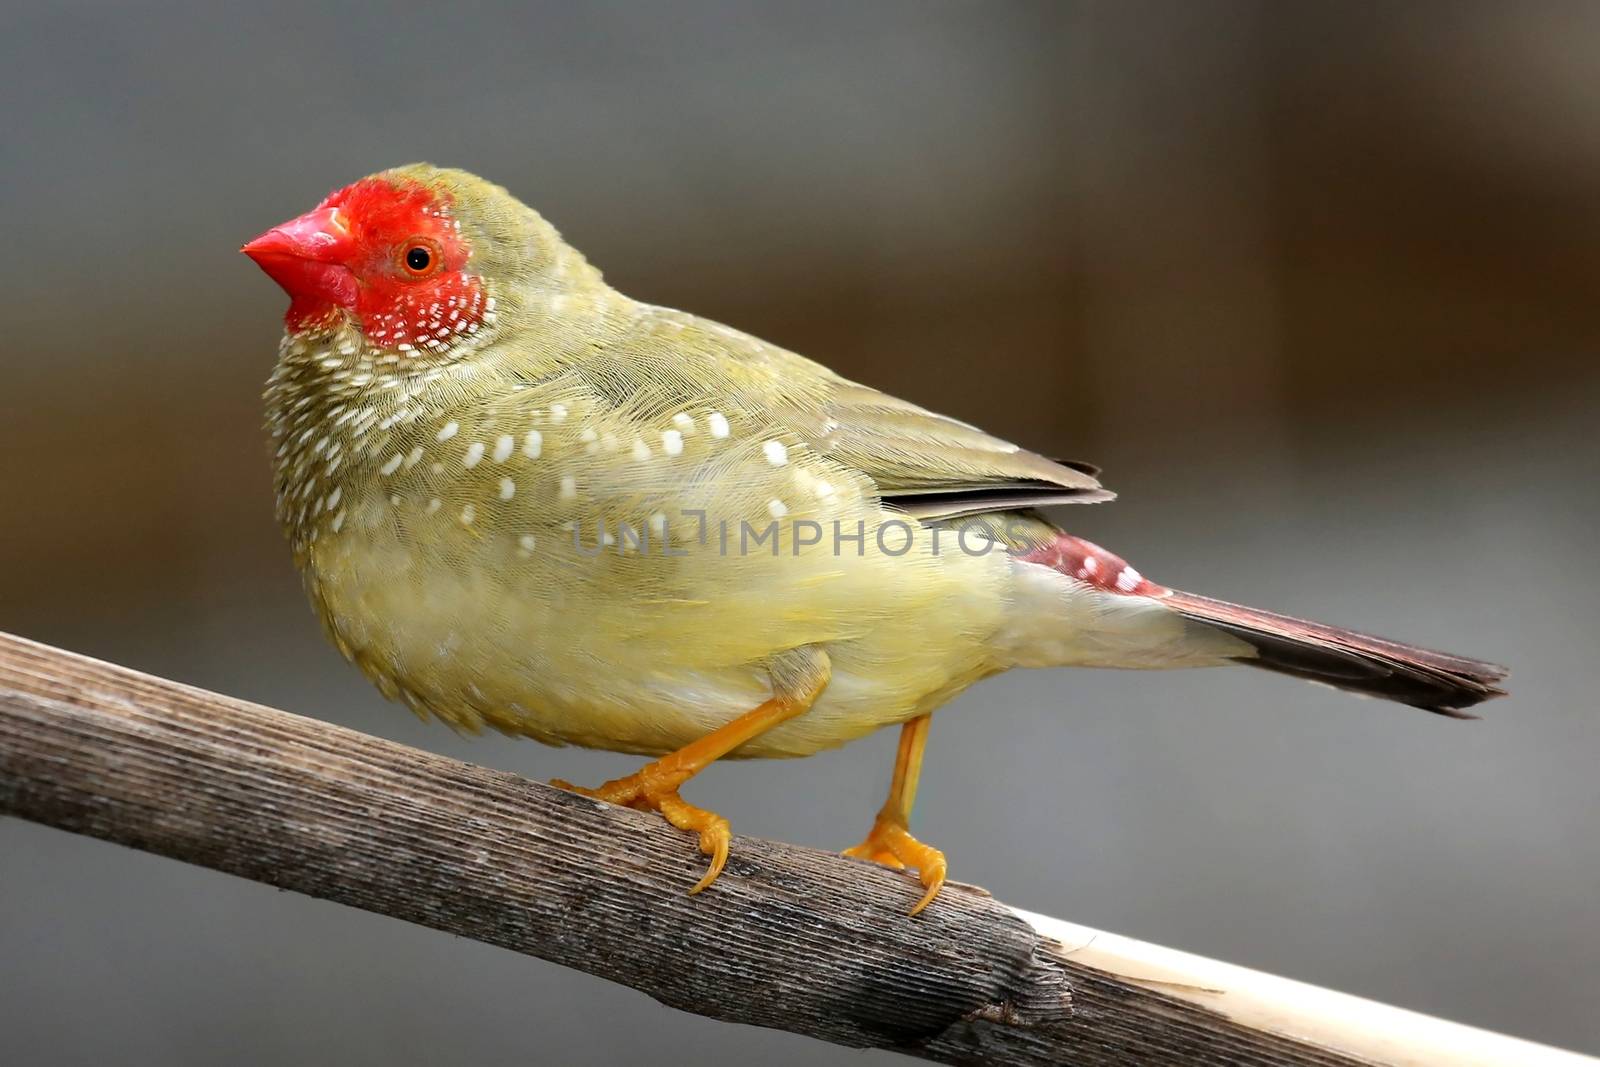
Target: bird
x=520, y=499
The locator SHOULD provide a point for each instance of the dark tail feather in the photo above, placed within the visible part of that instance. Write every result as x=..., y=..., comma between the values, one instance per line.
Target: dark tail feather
x=1348, y=660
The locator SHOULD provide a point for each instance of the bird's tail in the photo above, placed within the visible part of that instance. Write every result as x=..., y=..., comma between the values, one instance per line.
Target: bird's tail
x=1345, y=659
x=1107, y=614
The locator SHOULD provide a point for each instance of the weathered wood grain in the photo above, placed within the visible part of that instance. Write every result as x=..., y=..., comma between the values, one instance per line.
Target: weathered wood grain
x=789, y=937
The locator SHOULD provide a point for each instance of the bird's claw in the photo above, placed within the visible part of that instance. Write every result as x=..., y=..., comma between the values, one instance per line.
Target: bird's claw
x=644, y=792
x=892, y=845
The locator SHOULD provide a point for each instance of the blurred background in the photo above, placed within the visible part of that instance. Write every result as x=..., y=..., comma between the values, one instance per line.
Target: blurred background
x=1315, y=282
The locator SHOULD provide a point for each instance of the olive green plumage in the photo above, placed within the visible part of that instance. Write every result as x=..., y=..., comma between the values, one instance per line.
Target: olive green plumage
x=446, y=509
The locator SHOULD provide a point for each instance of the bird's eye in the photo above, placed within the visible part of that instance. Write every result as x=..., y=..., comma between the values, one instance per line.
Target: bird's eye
x=419, y=258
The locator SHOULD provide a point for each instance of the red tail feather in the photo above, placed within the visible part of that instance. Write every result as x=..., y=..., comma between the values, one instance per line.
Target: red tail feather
x=1348, y=660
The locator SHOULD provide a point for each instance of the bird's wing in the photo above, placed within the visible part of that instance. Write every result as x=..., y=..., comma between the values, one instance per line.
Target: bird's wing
x=935, y=467
x=925, y=464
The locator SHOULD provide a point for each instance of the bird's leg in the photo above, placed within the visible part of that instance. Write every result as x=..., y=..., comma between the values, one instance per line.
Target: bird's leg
x=654, y=787
x=890, y=841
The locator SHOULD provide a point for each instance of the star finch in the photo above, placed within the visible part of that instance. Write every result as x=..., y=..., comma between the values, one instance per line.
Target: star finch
x=522, y=499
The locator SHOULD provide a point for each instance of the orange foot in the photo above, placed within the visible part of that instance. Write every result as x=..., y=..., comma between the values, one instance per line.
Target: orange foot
x=648, y=792
x=892, y=845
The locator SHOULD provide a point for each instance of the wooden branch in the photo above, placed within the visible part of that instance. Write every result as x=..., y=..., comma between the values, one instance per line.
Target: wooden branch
x=789, y=937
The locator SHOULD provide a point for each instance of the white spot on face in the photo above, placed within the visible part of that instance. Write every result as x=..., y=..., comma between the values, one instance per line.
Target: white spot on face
x=717, y=422
x=569, y=487
x=508, y=488
x=672, y=442
x=391, y=464
x=1129, y=579
x=468, y=513
x=641, y=451
x=777, y=454
x=474, y=454
x=533, y=444
x=683, y=422
x=558, y=412
x=777, y=508
x=448, y=430
x=503, y=446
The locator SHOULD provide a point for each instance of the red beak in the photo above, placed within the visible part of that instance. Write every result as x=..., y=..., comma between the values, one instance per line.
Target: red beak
x=309, y=257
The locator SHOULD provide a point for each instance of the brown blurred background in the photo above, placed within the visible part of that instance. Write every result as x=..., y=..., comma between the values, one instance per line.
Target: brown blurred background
x=1315, y=282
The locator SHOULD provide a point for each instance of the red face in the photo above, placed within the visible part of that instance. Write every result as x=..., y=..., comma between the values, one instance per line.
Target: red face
x=389, y=255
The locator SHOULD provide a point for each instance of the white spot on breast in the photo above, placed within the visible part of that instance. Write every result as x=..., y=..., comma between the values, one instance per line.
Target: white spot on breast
x=508, y=488
x=533, y=444
x=413, y=457
x=391, y=464
x=338, y=521
x=777, y=508
x=503, y=447
x=658, y=523
x=718, y=424
x=641, y=451
x=683, y=422
x=558, y=412
x=333, y=497
x=474, y=454
x=434, y=505
x=468, y=513
x=448, y=430
x=1090, y=564
x=569, y=487
x=1129, y=579
x=671, y=442
x=776, y=452
x=527, y=541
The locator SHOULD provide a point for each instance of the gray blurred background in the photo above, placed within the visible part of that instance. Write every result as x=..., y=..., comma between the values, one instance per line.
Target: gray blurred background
x=1315, y=282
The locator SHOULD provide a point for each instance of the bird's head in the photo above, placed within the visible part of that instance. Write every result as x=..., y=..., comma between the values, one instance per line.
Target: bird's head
x=418, y=259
